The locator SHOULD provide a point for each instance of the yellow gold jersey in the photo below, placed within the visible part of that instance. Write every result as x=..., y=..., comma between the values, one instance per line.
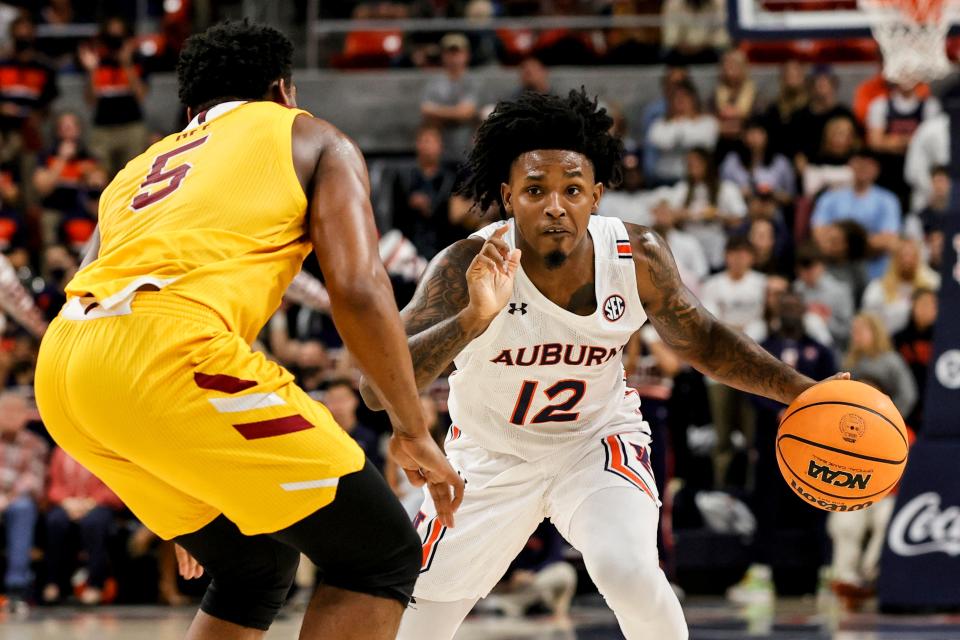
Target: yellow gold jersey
x=214, y=214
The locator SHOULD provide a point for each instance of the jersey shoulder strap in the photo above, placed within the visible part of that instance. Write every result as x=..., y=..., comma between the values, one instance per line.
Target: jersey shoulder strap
x=487, y=231
x=611, y=238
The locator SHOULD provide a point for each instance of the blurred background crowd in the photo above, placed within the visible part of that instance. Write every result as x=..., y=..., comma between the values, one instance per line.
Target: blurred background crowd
x=809, y=221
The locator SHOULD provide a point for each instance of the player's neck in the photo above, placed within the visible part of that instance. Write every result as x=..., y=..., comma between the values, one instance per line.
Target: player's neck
x=559, y=283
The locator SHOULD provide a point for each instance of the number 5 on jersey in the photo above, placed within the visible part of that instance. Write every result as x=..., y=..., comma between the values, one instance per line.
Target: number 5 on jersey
x=559, y=412
x=160, y=175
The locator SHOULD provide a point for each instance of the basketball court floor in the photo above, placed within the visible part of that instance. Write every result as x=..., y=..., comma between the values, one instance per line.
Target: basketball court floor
x=709, y=619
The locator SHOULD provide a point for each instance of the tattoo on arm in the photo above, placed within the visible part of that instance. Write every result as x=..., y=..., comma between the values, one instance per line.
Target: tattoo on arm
x=436, y=334
x=696, y=335
x=431, y=320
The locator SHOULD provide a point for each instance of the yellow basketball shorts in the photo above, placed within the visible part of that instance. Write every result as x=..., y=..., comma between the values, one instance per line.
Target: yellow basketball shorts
x=184, y=421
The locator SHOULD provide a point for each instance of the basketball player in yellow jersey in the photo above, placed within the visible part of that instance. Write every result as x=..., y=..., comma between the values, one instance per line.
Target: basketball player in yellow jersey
x=147, y=377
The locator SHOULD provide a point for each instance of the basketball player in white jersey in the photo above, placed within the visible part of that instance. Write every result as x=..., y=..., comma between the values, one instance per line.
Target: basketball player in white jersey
x=535, y=312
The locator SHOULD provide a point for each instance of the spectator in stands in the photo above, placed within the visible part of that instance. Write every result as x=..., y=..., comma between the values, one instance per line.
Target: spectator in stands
x=829, y=168
x=686, y=249
x=450, y=101
x=915, y=346
x=822, y=107
x=875, y=208
x=891, y=123
x=486, y=48
x=630, y=201
x=754, y=163
x=657, y=109
x=779, y=118
x=928, y=222
x=869, y=90
x=533, y=75
x=68, y=178
x=694, y=31
x=708, y=206
x=13, y=228
x=682, y=128
x=300, y=353
x=421, y=196
x=929, y=148
x=871, y=356
x=59, y=266
x=23, y=457
x=789, y=341
x=771, y=256
x=826, y=296
x=844, y=249
x=733, y=99
x=116, y=89
x=342, y=401
x=79, y=504
x=539, y=576
x=27, y=86
x=736, y=296
x=890, y=296
x=892, y=120
x=815, y=326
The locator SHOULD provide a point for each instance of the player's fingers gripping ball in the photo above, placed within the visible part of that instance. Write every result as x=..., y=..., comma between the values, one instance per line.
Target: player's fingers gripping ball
x=842, y=445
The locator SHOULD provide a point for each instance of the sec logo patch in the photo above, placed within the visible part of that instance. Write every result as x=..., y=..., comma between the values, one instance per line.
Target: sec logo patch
x=613, y=308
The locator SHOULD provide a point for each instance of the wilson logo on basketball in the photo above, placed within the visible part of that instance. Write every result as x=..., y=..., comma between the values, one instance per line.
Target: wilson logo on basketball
x=838, y=478
x=825, y=504
x=613, y=308
x=852, y=427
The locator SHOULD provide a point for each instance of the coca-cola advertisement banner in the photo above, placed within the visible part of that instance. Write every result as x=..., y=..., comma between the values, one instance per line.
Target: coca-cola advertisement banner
x=920, y=568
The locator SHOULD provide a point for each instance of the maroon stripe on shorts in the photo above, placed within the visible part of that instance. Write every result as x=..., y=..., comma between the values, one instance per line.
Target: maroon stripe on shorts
x=273, y=427
x=221, y=382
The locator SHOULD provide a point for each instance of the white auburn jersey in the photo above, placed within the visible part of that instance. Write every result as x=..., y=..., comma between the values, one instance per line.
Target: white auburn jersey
x=541, y=376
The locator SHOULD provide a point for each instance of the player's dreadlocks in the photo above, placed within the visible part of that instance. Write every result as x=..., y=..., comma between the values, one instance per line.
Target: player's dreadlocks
x=233, y=59
x=539, y=121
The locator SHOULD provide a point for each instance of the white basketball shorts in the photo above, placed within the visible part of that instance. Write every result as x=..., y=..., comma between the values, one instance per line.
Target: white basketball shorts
x=506, y=498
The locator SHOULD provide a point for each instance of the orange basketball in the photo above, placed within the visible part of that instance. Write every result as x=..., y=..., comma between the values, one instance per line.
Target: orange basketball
x=842, y=445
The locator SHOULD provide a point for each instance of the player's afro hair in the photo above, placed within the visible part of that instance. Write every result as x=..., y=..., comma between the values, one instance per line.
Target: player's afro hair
x=539, y=121
x=233, y=59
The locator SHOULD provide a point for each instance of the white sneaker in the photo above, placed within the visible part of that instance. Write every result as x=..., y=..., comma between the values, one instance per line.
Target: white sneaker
x=756, y=587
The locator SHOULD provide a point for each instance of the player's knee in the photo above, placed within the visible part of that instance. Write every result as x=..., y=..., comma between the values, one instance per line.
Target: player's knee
x=621, y=577
x=252, y=597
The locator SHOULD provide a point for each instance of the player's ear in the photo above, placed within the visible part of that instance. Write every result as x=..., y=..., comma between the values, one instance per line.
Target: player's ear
x=283, y=92
x=597, y=194
x=507, y=196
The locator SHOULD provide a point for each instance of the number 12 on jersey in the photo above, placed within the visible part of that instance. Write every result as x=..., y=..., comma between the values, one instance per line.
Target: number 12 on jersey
x=558, y=412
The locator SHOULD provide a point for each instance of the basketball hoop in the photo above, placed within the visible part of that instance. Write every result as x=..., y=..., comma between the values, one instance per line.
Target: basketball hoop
x=912, y=35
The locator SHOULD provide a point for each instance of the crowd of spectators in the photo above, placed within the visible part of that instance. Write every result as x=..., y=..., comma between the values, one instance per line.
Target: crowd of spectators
x=816, y=231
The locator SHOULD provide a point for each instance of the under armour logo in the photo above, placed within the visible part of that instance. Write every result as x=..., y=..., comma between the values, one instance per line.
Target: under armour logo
x=514, y=307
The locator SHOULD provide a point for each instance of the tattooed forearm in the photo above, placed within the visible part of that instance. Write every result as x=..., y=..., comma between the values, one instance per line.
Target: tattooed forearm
x=435, y=348
x=438, y=330
x=697, y=336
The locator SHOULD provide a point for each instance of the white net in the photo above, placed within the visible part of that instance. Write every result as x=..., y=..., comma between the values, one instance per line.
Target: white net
x=912, y=35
